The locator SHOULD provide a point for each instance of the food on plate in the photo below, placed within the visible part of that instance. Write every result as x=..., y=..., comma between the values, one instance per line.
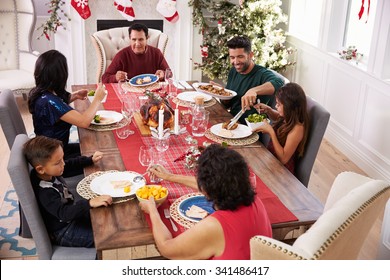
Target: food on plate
x=97, y=118
x=102, y=120
x=122, y=184
x=150, y=112
x=91, y=93
x=155, y=191
x=215, y=90
x=226, y=133
x=196, y=212
x=254, y=118
x=144, y=80
x=226, y=124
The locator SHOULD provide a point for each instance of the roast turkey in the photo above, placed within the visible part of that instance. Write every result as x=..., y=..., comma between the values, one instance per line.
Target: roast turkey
x=149, y=113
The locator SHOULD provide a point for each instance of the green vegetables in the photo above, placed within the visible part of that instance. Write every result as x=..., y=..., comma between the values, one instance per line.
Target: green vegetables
x=91, y=93
x=96, y=119
x=254, y=118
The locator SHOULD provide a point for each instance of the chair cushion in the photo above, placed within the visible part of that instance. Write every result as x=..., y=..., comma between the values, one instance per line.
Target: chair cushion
x=16, y=79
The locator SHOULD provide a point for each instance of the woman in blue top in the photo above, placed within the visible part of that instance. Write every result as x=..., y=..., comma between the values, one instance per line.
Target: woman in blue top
x=49, y=103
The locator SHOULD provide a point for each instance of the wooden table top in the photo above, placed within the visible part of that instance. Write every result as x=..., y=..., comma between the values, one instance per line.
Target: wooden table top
x=124, y=225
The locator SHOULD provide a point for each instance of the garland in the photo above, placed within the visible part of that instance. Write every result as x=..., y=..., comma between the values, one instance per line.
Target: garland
x=54, y=21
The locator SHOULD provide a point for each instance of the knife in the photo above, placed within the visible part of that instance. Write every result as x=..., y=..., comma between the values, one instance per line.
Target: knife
x=235, y=119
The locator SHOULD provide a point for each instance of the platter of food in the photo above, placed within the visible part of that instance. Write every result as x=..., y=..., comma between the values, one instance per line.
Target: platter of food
x=189, y=96
x=105, y=117
x=195, y=208
x=117, y=184
x=143, y=80
x=215, y=91
x=236, y=132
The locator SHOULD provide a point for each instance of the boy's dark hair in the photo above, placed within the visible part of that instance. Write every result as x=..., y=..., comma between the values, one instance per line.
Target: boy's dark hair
x=139, y=27
x=40, y=149
x=240, y=42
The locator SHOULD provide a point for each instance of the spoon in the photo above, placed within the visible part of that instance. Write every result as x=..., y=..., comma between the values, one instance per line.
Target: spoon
x=139, y=178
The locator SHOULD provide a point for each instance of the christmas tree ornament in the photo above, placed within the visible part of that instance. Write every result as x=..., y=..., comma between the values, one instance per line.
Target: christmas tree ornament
x=204, y=50
x=221, y=29
x=167, y=8
x=82, y=8
x=125, y=8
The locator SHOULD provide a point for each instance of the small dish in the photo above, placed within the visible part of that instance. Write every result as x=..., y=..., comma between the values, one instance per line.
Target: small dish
x=256, y=125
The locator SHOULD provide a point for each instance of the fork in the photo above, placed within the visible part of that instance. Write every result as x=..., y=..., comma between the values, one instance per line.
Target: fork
x=168, y=216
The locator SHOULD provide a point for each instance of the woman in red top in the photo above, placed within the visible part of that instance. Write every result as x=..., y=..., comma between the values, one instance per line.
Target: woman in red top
x=223, y=177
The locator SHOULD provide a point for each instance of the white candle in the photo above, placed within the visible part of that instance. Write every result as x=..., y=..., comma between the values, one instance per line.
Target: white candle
x=161, y=122
x=176, y=128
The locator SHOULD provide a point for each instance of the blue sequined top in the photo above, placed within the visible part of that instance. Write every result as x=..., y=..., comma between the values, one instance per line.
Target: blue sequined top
x=48, y=110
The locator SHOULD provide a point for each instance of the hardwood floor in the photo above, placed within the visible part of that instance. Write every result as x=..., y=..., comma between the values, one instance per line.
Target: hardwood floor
x=329, y=163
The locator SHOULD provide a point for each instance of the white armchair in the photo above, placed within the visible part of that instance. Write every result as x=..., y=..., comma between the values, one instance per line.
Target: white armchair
x=110, y=41
x=17, y=60
x=352, y=207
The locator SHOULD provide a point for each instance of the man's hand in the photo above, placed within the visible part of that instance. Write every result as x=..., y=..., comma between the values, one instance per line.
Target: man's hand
x=160, y=74
x=249, y=99
x=120, y=75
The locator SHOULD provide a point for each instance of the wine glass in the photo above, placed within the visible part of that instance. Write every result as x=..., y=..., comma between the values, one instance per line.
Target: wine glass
x=161, y=145
x=128, y=111
x=145, y=155
x=122, y=88
x=169, y=80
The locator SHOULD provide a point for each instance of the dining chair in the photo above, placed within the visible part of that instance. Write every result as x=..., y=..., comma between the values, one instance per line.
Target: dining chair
x=384, y=242
x=351, y=209
x=17, y=59
x=318, y=122
x=19, y=171
x=110, y=41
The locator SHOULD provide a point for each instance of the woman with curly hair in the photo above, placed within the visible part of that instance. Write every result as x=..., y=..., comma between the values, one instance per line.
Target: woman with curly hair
x=223, y=177
x=290, y=124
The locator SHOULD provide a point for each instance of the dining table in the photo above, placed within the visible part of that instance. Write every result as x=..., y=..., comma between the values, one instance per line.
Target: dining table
x=123, y=231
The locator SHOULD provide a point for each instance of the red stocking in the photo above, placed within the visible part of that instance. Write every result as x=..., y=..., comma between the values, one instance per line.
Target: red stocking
x=167, y=8
x=125, y=7
x=82, y=8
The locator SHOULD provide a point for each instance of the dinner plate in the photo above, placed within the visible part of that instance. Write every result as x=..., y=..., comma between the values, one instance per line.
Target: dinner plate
x=200, y=201
x=241, y=131
x=189, y=96
x=103, y=184
x=113, y=117
x=222, y=97
x=133, y=81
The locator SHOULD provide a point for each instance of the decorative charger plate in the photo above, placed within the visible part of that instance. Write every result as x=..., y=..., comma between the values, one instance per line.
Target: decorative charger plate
x=110, y=117
x=151, y=79
x=241, y=131
x=222, y=97
x=84, y=187
x=234, y=142
x=189, y=96
x=180, y=205
x=188, y=104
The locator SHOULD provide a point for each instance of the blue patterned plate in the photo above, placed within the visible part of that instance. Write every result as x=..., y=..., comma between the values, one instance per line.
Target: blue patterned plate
x=143, y=80
x=200, y=201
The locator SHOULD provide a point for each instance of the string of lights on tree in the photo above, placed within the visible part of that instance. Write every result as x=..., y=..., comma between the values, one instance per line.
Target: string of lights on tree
x=259, y=20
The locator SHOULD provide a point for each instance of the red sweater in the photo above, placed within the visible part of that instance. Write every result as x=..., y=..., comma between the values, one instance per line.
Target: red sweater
x=135, y=64
x=240, y=226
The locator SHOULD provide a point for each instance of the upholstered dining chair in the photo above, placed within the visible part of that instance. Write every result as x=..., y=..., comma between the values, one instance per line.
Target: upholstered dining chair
x=17, y=60
x=110, y=41
x=18, y=169
x=352, y=207
x=319, y=118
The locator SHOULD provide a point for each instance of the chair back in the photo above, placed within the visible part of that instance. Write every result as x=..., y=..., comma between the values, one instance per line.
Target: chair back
x=19, y=171
x=318, y=122
x=110, y=41
x=341, y=230
x=10, y=119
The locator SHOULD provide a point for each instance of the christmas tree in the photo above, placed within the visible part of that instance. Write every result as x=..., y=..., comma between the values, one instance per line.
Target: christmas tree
x=256, y=19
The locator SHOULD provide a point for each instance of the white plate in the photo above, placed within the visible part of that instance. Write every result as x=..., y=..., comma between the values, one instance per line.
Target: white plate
x=133, y=80
x=189, y=96
x=114, y=116
x=233, y=93
x=102, y=184
x=241, y=131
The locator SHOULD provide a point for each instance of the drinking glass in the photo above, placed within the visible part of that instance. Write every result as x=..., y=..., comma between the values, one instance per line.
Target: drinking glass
x=169, y=80
x=128, y=111
x=200, y=123
x=145, y=155
x=122, y=89
x=161, y=146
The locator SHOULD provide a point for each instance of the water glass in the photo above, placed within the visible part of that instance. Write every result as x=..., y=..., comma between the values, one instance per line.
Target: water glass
x=185, y=116
x=200, y=123
x=128, y=109
x=145, y=155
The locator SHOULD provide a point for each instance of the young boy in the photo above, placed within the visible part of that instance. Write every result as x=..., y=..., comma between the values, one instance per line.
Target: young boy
x=68, y=222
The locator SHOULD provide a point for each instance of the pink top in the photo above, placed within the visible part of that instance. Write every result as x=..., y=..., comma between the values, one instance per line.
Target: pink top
x=240, y=226
x=135, y=64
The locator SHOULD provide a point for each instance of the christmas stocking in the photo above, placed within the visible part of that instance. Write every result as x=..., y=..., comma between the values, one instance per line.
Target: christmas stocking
x=82, y=8
x=125, y=7
x=167, y=8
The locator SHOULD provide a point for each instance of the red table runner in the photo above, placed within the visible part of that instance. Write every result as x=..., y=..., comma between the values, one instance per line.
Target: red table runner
x=129, y=149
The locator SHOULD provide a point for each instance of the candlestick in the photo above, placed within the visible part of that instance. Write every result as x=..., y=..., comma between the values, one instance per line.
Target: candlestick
x=160, y=123
x=176, y=127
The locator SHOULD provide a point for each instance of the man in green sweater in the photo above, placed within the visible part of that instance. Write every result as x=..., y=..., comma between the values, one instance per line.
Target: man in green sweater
x=252, y=82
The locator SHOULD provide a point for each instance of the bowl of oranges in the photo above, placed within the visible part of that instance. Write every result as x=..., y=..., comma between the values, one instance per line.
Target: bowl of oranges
x=158, y=192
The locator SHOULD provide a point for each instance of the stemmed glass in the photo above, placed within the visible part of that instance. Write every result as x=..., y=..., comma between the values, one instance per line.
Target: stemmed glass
x=169, y=80
x=161, y=146
x=145, y=155
x=128, y=111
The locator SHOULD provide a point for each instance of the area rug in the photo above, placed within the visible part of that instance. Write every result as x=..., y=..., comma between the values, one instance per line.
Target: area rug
x=11, y=244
